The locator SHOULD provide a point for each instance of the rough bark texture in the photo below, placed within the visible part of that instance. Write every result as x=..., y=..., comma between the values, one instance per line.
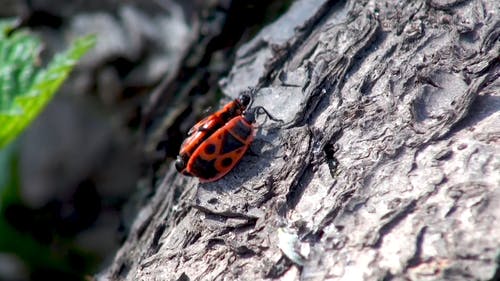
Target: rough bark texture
x=388, y=168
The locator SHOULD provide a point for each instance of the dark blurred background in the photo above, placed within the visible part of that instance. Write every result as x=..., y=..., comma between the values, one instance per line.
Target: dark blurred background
x=91, y=159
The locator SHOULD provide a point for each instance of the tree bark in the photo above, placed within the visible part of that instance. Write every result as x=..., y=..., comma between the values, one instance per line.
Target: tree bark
x=388, y=167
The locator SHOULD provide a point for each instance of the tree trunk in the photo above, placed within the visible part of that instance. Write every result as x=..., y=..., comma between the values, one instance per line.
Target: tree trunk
x=387, y=167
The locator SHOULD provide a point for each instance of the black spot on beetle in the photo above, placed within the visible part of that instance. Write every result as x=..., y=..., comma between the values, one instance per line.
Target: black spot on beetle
x=226, y=162
x=210, y=149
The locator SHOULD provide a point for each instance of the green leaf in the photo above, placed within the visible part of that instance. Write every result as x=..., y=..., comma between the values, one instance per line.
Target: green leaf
x=26, y=87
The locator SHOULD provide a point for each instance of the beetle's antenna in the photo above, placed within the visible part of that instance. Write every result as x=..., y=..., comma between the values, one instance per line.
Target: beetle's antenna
x=262, y=110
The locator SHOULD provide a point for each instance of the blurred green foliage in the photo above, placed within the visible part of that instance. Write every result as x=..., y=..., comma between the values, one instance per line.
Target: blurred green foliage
x=25, y=89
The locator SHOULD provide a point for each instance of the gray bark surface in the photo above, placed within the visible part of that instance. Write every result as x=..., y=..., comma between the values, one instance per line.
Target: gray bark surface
x=388, y=167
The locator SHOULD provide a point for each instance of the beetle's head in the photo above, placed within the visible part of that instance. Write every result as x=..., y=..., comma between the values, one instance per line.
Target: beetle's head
x=244, y=99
